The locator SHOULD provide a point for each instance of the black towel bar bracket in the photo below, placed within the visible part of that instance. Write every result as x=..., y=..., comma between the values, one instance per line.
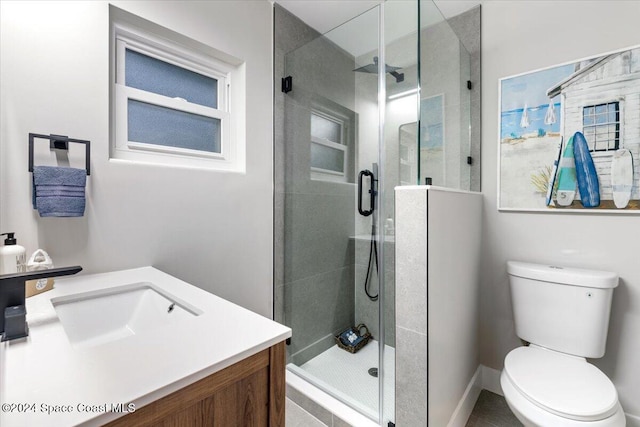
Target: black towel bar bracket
x=60, y=142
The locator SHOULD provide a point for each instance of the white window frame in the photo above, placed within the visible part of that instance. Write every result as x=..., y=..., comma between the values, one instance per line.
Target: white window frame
x=231, y=156
x=327, y=174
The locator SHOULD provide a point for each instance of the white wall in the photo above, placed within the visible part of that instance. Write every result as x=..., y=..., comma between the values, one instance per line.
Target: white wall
x=211, y=229
x=518, y=36
x=453, y=258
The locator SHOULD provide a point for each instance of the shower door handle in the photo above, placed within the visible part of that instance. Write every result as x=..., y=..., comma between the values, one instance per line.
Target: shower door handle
x=372, y=192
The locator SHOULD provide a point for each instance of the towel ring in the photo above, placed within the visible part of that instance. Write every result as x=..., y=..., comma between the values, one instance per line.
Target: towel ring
x=60, y=142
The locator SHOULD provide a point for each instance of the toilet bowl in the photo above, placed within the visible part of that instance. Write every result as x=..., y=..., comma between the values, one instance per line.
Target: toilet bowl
x=547, y=388
x=564, y=314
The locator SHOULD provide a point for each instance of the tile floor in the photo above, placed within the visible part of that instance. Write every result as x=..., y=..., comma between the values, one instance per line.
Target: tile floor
x=491, y=410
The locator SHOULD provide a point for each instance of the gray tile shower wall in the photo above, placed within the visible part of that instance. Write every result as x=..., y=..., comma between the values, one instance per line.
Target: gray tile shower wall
x=289, y=33
x=411, y=308
x=316, y=306
x=313, y=219
x=366, y=311
x=317, y=234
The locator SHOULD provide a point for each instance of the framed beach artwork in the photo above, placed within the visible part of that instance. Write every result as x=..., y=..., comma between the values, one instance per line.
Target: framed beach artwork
x=570, y=137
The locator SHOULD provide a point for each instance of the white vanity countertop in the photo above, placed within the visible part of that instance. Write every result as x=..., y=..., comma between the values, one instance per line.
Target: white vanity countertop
x=44, y=369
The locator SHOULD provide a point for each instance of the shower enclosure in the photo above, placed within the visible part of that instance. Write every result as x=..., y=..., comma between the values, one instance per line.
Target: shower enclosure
x=379, y=101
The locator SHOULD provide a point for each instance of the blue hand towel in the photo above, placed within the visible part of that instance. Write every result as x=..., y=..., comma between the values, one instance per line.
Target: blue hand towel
x=59, y=192
x=60, y=206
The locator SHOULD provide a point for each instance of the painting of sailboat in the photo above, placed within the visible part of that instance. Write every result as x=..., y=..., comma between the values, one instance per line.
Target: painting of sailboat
x=550, y=115
x=524, y=119
x=540, y=112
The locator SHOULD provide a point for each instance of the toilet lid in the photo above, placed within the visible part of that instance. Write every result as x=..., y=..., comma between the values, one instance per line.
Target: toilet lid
x=565, y=385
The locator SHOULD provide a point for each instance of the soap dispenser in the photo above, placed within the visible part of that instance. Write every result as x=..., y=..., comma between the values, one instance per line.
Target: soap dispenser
x=13, y=257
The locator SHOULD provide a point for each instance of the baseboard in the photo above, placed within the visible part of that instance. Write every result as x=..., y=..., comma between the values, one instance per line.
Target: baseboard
x=467, y=402
x=632, y=420
x=491, y=380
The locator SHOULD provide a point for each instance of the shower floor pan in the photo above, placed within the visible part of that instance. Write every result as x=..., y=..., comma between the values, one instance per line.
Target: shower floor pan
x=346, y=376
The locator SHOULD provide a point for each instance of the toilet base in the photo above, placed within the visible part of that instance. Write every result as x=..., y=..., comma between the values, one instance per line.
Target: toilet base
x=532, y=415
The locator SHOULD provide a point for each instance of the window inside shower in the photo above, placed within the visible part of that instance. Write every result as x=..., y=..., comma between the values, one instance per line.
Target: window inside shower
x=329, y=157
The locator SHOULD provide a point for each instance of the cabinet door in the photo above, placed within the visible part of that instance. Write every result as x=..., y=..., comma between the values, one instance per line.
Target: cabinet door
x=244, y=403
x=249, y=393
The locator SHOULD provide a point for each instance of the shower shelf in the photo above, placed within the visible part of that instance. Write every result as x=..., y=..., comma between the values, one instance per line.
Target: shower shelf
x=367, y=237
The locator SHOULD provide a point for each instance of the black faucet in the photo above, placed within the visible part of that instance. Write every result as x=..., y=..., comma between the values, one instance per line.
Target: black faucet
x=13, y=322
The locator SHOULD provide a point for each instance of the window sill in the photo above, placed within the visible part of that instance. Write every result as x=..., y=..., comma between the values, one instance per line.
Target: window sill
x=168, y=161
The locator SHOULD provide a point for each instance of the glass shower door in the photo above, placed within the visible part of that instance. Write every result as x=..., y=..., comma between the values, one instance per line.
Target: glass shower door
x=377, y=102
x=330, y=145
x=444, y=149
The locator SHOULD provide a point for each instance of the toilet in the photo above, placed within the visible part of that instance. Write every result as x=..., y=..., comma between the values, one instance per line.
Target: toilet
x=563, y=313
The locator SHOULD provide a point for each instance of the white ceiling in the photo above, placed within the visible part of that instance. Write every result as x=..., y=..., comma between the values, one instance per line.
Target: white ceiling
x=361, y=34
x=324, y=15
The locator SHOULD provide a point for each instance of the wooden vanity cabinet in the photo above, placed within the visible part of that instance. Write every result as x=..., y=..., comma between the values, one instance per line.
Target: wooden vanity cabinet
x=248, y=393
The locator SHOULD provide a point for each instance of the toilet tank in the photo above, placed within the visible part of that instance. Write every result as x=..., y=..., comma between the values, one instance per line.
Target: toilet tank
x=563, y=309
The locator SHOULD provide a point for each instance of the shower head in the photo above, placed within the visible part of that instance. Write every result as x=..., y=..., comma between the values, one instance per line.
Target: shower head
x=373, y=69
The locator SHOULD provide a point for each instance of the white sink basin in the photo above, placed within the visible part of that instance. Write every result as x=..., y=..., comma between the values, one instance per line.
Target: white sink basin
x=101, y=316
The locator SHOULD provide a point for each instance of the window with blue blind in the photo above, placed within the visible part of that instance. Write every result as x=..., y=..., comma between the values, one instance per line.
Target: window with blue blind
x=169, y=102
x=153, y=75
x=152, y=124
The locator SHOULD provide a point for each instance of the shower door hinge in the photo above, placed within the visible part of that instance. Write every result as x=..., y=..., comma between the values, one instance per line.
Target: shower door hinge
x=287, y=84
x=469, y=85
x=469, y=160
